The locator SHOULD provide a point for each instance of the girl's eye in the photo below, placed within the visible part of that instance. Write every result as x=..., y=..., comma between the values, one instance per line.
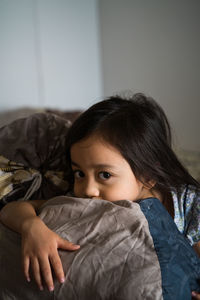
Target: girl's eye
x=78, y=174
x=104, y=175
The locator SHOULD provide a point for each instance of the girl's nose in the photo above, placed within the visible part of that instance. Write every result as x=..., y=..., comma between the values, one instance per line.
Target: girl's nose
x=91, y=189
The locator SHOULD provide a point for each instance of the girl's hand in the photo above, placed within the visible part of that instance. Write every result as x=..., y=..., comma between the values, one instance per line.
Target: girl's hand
x=195, y=295
x=40, y=252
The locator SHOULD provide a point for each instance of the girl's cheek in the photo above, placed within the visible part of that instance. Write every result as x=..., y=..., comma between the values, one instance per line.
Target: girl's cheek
x=76, y=192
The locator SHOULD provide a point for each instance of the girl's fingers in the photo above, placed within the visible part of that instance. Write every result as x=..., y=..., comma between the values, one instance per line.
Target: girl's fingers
x=42, y=257
x=36, y=272
x=195, y=295
x=26, y=264
x=57, y=267
x=45, y=270
x=66, y=245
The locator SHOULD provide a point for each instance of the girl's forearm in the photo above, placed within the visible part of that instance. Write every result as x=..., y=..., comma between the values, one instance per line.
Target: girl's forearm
x=15, y=214
x=197, y=248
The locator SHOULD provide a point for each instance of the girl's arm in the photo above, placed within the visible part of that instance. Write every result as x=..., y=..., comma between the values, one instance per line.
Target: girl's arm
x=195, y=295
x=39, y=244
x=197, y=248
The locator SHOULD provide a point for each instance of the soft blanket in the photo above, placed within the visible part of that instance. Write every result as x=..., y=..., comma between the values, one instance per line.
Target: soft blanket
x=128, y=251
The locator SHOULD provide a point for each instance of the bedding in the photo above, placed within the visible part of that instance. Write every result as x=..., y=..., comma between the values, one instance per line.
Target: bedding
x=8, y=116
x=128, y=251
x=32, y=158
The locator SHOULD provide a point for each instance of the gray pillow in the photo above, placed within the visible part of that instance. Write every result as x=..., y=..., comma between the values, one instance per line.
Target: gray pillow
x=32, y=158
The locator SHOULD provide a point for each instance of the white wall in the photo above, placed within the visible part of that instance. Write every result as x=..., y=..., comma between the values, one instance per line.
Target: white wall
x=153, y=46
x=18, y=74
x=49, y=53
x=52, y=55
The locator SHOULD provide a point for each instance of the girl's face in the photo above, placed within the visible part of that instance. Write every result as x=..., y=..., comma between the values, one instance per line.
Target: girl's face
x=101, y=172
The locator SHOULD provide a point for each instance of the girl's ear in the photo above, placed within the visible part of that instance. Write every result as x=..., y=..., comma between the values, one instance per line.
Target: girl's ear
x=149, y=184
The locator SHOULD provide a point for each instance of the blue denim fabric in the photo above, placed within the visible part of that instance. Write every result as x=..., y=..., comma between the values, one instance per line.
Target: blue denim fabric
x=180, y=266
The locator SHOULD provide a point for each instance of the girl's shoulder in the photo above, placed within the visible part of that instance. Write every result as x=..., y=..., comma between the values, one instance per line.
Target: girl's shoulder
x=187, y=211
x=187, y=195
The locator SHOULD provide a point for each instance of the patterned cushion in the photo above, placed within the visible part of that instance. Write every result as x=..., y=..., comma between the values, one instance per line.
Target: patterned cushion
x=32, y=158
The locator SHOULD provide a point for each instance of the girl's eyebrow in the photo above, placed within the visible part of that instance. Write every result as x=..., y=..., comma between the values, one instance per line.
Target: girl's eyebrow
x=95, y=165
x=75, y=164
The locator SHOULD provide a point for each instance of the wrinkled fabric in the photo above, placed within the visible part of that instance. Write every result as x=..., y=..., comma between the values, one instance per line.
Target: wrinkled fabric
x=119, y=258
x=116, y=260
x=32, y=158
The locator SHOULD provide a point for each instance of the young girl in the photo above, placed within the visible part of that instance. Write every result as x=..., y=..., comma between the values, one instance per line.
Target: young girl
x=117, y=149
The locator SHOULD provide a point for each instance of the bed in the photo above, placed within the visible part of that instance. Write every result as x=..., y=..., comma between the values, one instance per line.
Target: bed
x=128, y=250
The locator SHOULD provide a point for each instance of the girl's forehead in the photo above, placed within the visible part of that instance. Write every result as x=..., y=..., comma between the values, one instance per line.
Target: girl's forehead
x=93, y=153
x=92, y=140
x=96, y=148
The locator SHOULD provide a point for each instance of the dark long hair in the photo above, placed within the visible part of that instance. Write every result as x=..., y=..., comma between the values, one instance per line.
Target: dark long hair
x=139, y=129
